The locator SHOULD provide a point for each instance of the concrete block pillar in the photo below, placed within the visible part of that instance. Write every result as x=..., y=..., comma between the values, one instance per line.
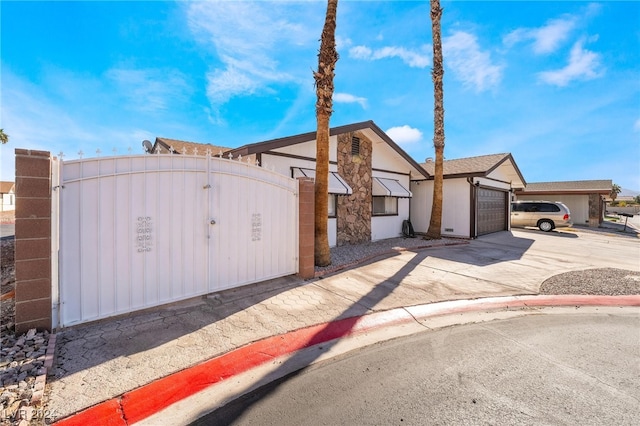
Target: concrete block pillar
x=33, y=240
x=306, y=202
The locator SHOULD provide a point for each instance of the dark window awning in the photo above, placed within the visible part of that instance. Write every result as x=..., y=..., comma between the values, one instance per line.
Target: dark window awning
x=337, y=184
x=383, y=187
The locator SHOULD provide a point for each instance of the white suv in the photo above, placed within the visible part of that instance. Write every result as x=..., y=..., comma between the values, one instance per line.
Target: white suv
x=546, y=215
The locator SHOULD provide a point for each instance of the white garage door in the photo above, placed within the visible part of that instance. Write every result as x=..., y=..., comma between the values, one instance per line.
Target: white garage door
x=492, y=211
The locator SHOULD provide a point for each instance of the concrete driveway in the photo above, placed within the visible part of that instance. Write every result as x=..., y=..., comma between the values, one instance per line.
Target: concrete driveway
x=504, y=263
x=142, y=348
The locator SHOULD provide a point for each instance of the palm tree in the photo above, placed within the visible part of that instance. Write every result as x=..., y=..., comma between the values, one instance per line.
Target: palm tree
x=327, y=58
x=4, y=138
x=615, y=190
x=435, y=224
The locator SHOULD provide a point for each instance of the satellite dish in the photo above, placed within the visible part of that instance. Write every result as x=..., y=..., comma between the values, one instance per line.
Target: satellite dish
x=148, y=146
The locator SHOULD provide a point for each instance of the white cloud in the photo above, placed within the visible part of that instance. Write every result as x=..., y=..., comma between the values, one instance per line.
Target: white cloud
x=361, y=52
x=415, y=59
x=546, y=39
x=404, y=135
x=636, y=125
x=246, y=37
x=583, y=65
x=469, y=63
x=342, y=43
x=33, y=120
x=224, y=84
x=149, y=90
x=36, y=119
x=549, y=37
x=346, y=98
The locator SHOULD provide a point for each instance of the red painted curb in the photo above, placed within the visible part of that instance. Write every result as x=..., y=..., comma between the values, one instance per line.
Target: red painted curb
x=146, y=400
x=107, y=413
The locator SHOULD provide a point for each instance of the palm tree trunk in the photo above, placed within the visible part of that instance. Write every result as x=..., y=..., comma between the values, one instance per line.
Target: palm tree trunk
x=435, y=224
x=327, y=58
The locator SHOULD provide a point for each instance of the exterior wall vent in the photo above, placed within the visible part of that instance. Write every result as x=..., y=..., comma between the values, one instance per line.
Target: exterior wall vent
x=355, y=145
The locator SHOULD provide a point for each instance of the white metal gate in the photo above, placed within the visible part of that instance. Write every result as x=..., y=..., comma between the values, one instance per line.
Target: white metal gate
x=140, y=231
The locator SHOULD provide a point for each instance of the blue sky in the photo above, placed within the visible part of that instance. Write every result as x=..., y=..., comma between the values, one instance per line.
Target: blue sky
x=557, y=84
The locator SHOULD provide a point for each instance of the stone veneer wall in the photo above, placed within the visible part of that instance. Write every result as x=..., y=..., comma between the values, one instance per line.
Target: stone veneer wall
x=354, y=211
x=595, y=210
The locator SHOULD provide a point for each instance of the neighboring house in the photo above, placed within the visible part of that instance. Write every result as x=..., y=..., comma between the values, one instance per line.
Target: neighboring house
x=175, y=146
x=369, y=179
x=585, y=198
x=7, y=196
x=476, y=195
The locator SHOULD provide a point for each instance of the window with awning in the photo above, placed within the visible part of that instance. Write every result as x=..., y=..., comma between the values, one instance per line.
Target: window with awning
x=337, y=184
x=384, y=187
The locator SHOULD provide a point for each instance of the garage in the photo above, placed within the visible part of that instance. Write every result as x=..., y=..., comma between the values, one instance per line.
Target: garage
x=476, y=195
x=492, y=211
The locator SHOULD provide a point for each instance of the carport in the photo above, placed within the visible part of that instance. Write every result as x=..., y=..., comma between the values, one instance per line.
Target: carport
x=585, y=198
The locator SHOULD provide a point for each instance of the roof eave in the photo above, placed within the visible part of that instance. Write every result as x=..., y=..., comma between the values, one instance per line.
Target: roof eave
x=563, y=191
x=513, y=164
x=261, y=147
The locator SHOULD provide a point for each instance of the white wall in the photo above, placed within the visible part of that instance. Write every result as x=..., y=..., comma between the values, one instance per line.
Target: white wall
x=421, y=204
x=491, y=183
x=384, y=157
x=578, y=205
x=283, y=165
x=8, y=202
x=308, y=149
x=382, y=226
x=391, y=226
x=456, y=207
x=332, y=230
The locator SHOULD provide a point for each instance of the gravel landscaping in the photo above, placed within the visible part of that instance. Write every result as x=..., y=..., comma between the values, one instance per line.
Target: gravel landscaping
x=346, y=256
x=603, y=281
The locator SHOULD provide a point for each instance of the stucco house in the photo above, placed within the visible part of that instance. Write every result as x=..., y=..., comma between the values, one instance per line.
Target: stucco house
x=7, y=196
x=369, y=176
x=476, y=195
x=585, y=198
x=374, y=185
x=369, y=180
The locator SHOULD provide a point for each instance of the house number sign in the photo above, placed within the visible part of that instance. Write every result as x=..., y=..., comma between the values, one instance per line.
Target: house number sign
x=144, y=234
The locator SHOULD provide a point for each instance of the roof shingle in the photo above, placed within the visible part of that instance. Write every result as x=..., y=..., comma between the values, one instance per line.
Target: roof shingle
x=470, y=165
x=180, y=147
x=5, y=187
x=600, y=186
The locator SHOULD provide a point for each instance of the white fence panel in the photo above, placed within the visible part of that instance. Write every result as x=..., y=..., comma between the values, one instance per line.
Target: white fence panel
x=137, y=231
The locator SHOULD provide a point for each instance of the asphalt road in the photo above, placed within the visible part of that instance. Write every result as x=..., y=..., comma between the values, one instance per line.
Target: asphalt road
x=7, y=230
x=579, y=368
